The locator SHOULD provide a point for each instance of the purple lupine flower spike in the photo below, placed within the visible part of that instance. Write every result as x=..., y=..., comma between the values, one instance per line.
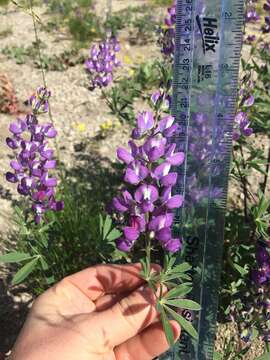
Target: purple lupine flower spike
x=260, y=276
x=102, y=62
x=34, y=157
x=246, y=99
x=147, y=208
x=167, y=33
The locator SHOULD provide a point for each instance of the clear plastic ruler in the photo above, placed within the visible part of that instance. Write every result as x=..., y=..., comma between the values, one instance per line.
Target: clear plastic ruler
x=207, y=57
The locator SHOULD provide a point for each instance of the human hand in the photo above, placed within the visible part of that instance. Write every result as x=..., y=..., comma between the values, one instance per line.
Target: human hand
x=106, y=312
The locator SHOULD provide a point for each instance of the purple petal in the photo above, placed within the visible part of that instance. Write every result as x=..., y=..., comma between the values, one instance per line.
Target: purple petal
x=124, y=155
x=147, y=206
x=164, y=234
x=10, y=177
x=156, y=153
x=146, y=193
x=118, y=205
x=17, y=128
x=28, y=182
x=173, y=245
x=161, y=221
x=145, y=121
x=247, y=131
x=51, y=133
x=161, y=170
x=249, y=101
x=134, y=148
x=165, y=123
x=50, y=164
x=46, y=152
x=124, y=245
x=240, y=117
x=131, y=177
x=131, y=233
x=16, y=165
x=262, y=255
x=175, y=202
x=138, y=222
x=170, y=150
x=258, y=277
x=12, y=143
x=171, y=130
x=155, y=97
x=23, y=190
x=176, y=159
x=169, y=180
x=50, y=182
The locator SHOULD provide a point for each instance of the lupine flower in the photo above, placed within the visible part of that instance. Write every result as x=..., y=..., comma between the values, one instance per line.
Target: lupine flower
x=266, y=26
x=250, y=39
x=167, y=33
x=145, y=208
x=261, y=279
x=251, y=14
x=34, y=157
x=246, y=100
x=102, y=62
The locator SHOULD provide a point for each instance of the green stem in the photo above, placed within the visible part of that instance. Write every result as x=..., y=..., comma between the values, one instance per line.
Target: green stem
x=45, y=84
x=267, y=347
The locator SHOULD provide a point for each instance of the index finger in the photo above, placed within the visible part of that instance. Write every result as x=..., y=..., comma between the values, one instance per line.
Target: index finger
x=99, y=280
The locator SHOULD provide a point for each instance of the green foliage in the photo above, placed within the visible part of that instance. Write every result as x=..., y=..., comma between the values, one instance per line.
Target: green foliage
x=144, y=28
x=30, y=54
x=121, y=97
x=78, y=16
x=118, y=21
x=67, y=242
x=84, y=28
x=162, y=2
x=168, y=303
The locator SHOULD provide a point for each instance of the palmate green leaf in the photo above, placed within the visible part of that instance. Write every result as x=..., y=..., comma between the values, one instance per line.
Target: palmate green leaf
x=25, y=271
x=176, y=276
x=180, y=290
x=183, y=304
x=14, y=257
x=167, y=327
x=185, y=324
x=242, y=270
x=182, y=268
x=107, y=226
x=44, y=263
x=114, y=234
x=171, y=262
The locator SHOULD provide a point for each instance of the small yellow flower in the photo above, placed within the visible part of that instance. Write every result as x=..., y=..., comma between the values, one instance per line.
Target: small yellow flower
x=127, y=60
x=81, y=127
x=131, y=72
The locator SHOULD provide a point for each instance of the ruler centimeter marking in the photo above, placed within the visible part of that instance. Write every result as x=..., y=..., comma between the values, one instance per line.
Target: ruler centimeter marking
x=206, y=66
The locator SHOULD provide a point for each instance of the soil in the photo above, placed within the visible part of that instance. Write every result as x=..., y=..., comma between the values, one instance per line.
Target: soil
x=78, y=115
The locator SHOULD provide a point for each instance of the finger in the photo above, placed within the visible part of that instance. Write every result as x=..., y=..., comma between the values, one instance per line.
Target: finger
x=129, y=316
x=99, y=280
x=148, y=344
x=107, y=301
